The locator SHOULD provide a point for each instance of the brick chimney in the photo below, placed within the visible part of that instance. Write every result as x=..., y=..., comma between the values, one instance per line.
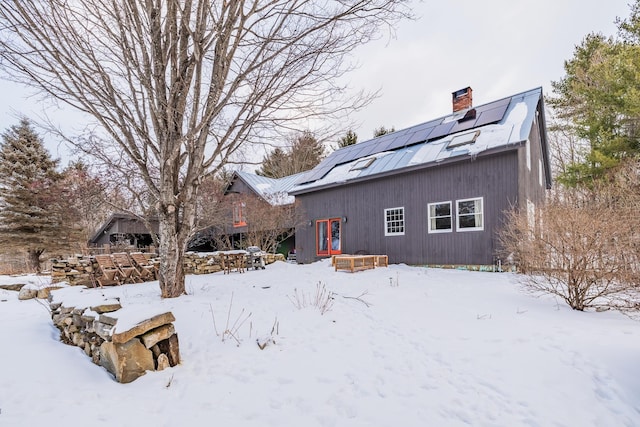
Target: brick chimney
x=462, y=99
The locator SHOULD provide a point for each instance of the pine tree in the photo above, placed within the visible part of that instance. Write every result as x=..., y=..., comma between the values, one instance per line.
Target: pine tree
x=304, y=153
x=382, y=131
x=599, y=98
x=350, y=138
x=33, y=215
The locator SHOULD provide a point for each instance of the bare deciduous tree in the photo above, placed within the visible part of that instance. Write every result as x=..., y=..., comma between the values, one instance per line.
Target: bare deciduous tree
x=582, y=246
x=177, y=86
x=269, y=222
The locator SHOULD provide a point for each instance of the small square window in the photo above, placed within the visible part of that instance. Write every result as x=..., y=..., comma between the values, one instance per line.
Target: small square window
x=470, y=214
x=394, y=222
x=439, y=217
x=464, y=139
x=362, y=164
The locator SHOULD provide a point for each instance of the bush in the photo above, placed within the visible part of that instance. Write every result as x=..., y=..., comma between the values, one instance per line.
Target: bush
x=581, y=249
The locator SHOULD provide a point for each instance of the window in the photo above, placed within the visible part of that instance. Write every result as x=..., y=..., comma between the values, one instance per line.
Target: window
x=362, y=164
x=540, y=173
x=470, y=214
x=464, y=139
x=394, y=222
x=439, y=217
x=238, y=215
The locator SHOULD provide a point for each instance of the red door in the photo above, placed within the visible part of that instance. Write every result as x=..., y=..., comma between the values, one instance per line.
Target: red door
x=328, y=237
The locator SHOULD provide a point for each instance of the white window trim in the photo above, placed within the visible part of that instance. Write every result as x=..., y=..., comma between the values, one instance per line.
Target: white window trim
x=386, y=223
x=464, y=229
x=429, y=218
x=540, y=173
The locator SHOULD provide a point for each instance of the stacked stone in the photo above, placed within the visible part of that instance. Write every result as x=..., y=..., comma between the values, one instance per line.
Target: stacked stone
x=76, y=270
x=79, y=270
x=195, y=263
x=151, y=344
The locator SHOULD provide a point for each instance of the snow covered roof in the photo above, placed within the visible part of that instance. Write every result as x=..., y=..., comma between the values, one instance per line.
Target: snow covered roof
x=500, y=124
x=273, y=190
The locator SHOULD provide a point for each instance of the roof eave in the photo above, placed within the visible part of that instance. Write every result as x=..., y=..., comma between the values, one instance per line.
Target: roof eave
x=449, y=160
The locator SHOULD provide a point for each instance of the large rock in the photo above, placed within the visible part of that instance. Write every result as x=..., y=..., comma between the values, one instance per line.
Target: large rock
x=12, y=287
x=126, y=361
x=171, y=348
x=107, y=307
x=142, y=327
x=151, y=338
x=44, y=293
x=163, y=362
x=27, y=292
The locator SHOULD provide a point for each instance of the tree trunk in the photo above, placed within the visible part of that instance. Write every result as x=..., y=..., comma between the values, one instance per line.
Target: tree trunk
x=34, y=260
x=171, y=248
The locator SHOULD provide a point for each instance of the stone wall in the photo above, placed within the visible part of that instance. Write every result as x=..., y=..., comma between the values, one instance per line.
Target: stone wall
x=82, y=270
x=141, y=342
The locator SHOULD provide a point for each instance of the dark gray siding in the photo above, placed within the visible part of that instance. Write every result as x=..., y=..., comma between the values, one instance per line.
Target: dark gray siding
x=495, y=178
x=237, y=186
x=124, y=226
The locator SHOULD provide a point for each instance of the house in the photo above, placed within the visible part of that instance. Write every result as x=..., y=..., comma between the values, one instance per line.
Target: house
x=431, y=194
x=262, y=209
x=228, y=224
x=125, y=230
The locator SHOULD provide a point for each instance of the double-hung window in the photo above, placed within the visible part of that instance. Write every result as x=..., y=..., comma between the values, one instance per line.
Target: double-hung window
x=394, y=222
x=440, y=218
x=470, y=214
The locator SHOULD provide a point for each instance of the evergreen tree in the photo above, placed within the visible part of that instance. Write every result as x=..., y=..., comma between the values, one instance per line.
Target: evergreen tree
x=304, y=153
x=599, y=98
x=33, y=215
x=350, y=138
x=382, y=131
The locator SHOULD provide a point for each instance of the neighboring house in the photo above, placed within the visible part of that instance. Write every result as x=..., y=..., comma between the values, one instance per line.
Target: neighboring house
x=124, y=229
x=243, y=190
x=274, y=191
x=248, y=192
x=431, y=194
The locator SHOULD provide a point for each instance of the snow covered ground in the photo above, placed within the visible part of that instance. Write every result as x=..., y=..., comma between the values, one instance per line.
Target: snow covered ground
x=434, y=348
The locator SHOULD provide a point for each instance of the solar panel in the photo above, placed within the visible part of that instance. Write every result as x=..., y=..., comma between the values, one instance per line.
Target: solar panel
x=492, y=113
x=429, y=131
x=441, y=130
x=399, y=142
x=370, y=149
x=491, y=116
x=460, y=126
x=385, y=145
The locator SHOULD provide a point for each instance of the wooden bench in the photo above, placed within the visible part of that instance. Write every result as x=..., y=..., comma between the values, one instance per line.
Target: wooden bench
x=355, y=262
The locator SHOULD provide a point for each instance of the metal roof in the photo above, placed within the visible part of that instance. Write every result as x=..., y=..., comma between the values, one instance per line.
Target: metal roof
x=503, y=123
x=273, y=190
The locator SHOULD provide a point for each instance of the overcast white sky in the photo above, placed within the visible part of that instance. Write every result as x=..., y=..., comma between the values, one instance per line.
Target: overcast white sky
x=498, y=47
